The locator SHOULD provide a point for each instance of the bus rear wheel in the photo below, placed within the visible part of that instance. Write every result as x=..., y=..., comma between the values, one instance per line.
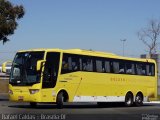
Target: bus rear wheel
x=33, y=104
x=60, y=100
x=129, y=99
x=139, y=99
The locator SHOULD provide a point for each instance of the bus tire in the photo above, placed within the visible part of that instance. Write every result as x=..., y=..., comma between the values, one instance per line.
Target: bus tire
x=33, y=104
x=60, y=100
x=139, y=99
x=129, y=99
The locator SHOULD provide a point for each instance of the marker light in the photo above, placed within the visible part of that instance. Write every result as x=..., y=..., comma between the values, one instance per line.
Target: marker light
x=10, y=92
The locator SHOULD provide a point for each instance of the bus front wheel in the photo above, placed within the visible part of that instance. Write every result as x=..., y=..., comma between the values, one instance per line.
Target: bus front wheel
x=129, y=99
x=60, y=100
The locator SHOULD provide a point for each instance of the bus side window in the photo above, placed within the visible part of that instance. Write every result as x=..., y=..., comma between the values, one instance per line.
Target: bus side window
x=107, y=66
x=65, y=64
x=133, y=69
x=150, y=70
x=87, y=64
x=99, y=66
x=130, y=69
x=116, y=67
x=111, y=67
x=75, y=64
x=121, y=67
x=70, y=63
x=138, y=69
x=143, y=69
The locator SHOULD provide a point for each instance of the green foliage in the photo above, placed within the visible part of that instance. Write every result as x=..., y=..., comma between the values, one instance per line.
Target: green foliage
x=9, y=14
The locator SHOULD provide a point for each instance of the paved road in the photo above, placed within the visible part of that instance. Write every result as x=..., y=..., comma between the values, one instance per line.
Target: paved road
x=81, y=111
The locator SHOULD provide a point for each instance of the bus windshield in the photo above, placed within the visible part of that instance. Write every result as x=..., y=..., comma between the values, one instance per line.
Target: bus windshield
x=23, y=70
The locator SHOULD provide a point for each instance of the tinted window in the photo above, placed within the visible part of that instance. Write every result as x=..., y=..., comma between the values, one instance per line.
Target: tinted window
x=87, y=64
x=115, y=66
x=143, y=69
x=121, y=67
x=70, y=63
x=139, y=69
x=150, y=70
x=99, y=66
x=130, y=68
x=107, y=66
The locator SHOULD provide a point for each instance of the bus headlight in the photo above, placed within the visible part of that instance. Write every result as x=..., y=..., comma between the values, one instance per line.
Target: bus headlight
x=10, y=92
x=33, y=91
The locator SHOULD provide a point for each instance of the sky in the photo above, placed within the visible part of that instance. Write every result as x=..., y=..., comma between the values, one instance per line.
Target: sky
x=99, y=25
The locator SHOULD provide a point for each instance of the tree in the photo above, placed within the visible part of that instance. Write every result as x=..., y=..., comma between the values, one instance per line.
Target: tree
x=9, y=14
x=150, y=35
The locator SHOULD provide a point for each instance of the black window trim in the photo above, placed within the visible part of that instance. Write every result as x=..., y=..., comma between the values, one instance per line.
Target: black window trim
x=111, y=60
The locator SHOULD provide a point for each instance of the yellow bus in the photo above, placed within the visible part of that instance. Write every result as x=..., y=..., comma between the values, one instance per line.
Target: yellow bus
x=75, y=75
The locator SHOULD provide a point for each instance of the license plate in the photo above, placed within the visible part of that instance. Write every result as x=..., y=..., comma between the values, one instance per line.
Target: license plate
x=20, y=98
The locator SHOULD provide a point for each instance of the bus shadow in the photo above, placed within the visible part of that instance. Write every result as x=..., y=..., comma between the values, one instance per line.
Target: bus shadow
x=4, y=99
x=75, y=106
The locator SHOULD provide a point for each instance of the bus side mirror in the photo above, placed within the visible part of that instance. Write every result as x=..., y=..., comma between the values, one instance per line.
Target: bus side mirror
x=39, y=64
x=4, y=66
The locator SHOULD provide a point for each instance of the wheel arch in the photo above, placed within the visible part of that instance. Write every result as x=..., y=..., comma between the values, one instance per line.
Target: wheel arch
x=140, y=93
x=65, y=93
x=130, y=92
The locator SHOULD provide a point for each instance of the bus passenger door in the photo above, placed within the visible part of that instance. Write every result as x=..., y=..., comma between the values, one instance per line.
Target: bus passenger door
x=50, y=75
